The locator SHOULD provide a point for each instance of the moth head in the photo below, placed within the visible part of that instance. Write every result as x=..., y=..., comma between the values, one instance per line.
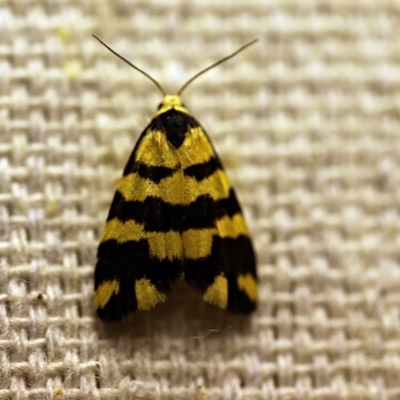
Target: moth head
x=172, y=101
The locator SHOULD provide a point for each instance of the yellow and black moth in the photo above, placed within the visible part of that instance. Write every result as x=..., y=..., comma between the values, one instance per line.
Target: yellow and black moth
x=174, y=214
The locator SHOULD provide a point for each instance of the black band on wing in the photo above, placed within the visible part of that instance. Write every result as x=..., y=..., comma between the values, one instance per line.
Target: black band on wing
x=159, y=216
x=126, y=263
x=153, y=173
x=203, y=170
x=231, y=257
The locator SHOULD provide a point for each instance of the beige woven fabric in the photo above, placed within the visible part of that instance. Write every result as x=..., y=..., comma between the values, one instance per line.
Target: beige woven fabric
x=307, y=123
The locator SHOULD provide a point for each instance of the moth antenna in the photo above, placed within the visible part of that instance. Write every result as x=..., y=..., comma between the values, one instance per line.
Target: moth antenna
x=185, y=85
x=160, y=88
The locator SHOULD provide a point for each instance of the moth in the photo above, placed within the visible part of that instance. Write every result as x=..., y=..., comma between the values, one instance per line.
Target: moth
x=174, y=214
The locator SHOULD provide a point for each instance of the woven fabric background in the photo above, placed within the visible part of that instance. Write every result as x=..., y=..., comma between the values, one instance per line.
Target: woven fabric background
x=307, y=123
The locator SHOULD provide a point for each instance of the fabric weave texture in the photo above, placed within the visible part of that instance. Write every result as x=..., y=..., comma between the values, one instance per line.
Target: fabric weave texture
x=307, y=123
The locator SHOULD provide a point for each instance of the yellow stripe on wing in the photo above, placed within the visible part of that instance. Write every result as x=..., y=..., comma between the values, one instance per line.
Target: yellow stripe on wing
x=175, y=189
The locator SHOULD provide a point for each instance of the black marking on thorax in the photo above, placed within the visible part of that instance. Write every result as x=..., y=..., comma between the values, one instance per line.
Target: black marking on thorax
x=176, y=124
